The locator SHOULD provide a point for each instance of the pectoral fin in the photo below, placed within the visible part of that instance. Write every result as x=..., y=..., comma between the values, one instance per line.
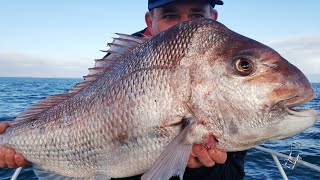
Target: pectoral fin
x=173, y=160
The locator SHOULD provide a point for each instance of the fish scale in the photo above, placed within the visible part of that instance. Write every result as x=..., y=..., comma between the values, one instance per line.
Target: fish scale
x=143, y=106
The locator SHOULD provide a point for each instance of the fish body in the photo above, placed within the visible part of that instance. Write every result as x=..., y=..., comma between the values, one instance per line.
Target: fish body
x=238, y=93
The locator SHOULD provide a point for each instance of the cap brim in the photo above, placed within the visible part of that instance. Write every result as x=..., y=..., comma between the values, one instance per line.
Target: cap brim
x=165, y=2
x=219, y=2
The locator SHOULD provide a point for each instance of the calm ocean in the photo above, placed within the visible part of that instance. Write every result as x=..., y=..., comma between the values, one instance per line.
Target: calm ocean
x=18, y=93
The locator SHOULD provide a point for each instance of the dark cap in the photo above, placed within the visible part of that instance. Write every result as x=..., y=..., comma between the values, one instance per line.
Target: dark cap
x=158, y=3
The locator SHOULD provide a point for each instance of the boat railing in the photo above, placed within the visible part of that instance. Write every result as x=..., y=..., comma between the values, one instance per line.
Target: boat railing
x=16, y=173
x=290, y=163
x=290, y=160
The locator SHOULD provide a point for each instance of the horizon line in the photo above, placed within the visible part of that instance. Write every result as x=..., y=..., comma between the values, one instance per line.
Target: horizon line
x=73, y=78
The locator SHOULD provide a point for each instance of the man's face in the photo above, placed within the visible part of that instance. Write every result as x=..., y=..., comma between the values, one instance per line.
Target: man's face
x=162, y=18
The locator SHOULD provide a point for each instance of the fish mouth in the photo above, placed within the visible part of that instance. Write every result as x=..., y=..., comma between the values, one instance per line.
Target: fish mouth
x=287, y=120
x=290, y=104
x=299, y=99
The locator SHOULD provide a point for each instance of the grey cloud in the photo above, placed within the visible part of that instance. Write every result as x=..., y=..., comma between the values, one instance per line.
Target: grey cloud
x=303, y=52
x=26, y=65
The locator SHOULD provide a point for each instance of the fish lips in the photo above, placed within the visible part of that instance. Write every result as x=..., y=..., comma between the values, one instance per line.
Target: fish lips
x=294, y=101
x=299, y=99
x=297, y=119
x=290, y=105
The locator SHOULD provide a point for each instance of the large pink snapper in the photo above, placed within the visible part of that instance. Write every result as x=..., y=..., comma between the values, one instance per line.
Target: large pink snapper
x=197, y=82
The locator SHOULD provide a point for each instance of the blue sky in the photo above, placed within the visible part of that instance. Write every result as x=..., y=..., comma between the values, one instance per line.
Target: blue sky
x=61, y=38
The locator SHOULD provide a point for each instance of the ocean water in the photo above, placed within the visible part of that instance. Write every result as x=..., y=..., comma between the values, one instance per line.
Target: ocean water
x=18, y=93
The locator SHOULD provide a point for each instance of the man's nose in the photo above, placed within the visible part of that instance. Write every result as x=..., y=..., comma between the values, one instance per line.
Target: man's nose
x=185, y=18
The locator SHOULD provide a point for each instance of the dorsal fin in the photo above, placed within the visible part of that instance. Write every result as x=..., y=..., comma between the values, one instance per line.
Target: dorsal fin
x=117, y=51
x=35, y=110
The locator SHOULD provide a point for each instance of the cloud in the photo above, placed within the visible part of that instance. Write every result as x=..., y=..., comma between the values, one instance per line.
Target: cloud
x=27, y=65
x=303, y=52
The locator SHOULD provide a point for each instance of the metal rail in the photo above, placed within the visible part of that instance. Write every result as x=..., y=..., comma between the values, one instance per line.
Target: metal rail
x=289, y=159
x=283, y=173
x=274, y=154
x=16, y=173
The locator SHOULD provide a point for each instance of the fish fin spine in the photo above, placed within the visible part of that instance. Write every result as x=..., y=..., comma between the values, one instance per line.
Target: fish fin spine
x=119, y=48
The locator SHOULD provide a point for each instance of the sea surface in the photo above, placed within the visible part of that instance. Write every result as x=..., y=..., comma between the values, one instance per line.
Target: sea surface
x=16, y=94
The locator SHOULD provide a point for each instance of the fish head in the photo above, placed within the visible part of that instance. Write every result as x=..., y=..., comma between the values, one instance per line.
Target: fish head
x=245, y=93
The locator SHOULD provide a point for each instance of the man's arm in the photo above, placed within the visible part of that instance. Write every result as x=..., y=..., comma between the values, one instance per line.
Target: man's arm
x=8, y=156
x=200, y=155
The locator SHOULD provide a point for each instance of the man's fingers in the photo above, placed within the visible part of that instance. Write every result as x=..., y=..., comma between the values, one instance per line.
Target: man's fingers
x=203, y=155
x=193, y=162
x=2, y=157
x=218, y=156
x=3, y=127
x=3, y=150
x=10, y=158
x=20, y=160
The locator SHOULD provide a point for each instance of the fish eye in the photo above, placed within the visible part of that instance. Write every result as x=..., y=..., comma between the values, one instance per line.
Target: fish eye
x=244, y=66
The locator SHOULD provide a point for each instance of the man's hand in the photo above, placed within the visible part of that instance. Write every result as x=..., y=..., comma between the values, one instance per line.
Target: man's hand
x=8, y=156
x=201, y=156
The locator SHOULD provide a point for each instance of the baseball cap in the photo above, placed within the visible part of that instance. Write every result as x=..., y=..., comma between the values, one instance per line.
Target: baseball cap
x=158, y=3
